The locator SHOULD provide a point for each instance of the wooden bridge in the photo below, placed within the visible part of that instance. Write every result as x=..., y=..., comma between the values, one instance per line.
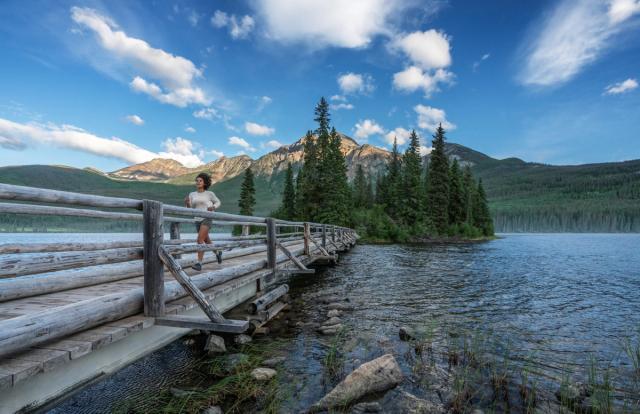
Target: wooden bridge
x=73, y=313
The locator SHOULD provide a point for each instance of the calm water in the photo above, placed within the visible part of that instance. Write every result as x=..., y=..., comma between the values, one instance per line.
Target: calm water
x=555, y=299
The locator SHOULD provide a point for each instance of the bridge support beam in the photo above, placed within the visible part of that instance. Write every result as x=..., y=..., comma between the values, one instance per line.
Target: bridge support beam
x=153, y=238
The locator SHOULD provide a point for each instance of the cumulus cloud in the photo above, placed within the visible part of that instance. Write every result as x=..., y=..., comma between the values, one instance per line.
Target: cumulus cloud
x=425, y=150
x=342, y=105
x=14, y=135
x=175, y=74
x=621, y=87
x=241, y=142
x=400, y=135
x=414, y=78
x=134, y=119
x=216, y=153
x=206, y=113
x=273, y=144
x=430, y=54
x=429, y=118
x=364, y=129
x=239, y=27
x=190, y=129
x=353, y=83
x=350, y=24
x=339, y=98
x=574, y=35
x=257, y=129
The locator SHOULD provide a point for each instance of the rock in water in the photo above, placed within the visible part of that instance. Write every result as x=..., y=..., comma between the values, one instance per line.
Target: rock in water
x=378, y=375
x=263, y=374
x=272, y=362
x=332, y=321
x=242, y=339
x=213, y=410
x=366, y=407
x=408, y=403
x=406, y=334
x=215, y=345
x=333, y=313
x=330, y=330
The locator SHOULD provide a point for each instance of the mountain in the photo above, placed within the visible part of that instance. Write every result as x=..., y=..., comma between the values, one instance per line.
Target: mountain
x=523, y=196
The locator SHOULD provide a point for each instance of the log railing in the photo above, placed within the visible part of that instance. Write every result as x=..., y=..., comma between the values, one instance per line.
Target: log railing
x=31, y=269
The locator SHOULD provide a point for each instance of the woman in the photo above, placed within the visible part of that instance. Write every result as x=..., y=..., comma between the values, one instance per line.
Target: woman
x=205, y=200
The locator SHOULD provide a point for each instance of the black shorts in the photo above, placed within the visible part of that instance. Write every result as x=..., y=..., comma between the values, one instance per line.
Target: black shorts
x=204, y=222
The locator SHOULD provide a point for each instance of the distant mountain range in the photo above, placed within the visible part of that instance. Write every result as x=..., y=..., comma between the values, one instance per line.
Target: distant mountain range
x=524, y=196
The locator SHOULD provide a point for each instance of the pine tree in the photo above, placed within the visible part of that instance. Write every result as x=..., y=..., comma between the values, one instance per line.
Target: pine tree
x=392, y=184
x=457, y=213
x=438, y=184
x=360, y=193
x=247, y=194
x=336, y=206
x=307, y=183
x=370, y=195
x=412, y=191
x=288, y=208
x=468, y=194
x=481, y=215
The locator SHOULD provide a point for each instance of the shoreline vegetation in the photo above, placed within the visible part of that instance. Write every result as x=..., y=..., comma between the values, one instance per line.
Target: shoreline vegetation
x=410, y=202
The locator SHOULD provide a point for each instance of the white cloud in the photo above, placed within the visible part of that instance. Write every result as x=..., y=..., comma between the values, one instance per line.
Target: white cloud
x=364, y=129
x=352, y=83
x=328, y=23
x=574, y=35
x=257, y=129
x=429, y=118
x=134, y=119
x=429, y=49
x=217, y=154
x=339, y=98
x=266, y=100
x=181, y=150
x=425, y=150
x=240, y=142
x=193, y=18
x=621, y=87
x=14, y=135
x=273, y=144
x=414, y=78
x=175, y=73
x=337, y=107
x=190, y=129
x=206, y=113
x=477, y=63
x=400, y=134
x=239, y=27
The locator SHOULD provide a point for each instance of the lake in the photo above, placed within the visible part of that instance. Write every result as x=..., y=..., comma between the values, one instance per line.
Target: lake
x=554, y=303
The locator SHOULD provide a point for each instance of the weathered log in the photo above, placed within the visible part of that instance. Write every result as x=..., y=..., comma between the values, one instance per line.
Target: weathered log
x=190, y=248
x=291, y=257
x=15, y=288
x=21, y=193
x=15, y=208
x=153, y=237
x=197, y=322
x=271, y=244
x=187, y=284
x=28, y=330
x=225, y=223
x=265, y=300
x=20, y=265
x=14, y=248
x=184, y=211
x=174, y=234
x=306, y=234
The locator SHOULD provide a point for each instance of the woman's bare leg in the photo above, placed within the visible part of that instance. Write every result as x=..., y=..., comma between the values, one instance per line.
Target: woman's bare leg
x=203, y=237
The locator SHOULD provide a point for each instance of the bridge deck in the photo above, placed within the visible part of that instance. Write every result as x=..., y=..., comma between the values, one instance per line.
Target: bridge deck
x=52, y=355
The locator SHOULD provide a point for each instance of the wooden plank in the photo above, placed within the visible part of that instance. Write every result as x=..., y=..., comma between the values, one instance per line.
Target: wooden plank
x=49, y=358
x=100, y=336
x=188, y=285
x=76, y=349
x=293, y=258
x=265, y=300
x=19, y=370
x=194, y=322
x=271, y=243
x=153, y=235
x=184, y=211
x=6, y=379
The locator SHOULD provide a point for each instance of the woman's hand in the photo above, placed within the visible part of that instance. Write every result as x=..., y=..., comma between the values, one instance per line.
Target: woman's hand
x=211, y=209
x=187, y=202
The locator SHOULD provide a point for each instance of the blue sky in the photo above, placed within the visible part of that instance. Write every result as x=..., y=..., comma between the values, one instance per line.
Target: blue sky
x=108, y=84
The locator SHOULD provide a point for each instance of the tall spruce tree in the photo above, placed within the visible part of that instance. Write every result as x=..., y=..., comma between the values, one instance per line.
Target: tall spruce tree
x=468, y=191
x=392, y=184
x=336, y=206
x=438, y=184
x=457, y=213
x=307, y=184
x=360, y=192
x=481, y=215
x=288, y=208
x=412, y=191
x=247, y=194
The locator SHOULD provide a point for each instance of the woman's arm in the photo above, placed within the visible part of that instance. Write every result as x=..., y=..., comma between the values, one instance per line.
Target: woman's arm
x=187, y=201
x=215, y=200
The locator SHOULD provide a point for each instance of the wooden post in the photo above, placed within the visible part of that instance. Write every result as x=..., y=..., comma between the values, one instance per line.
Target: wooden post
x=324, y=236
x=271, y=244
x=307, y=234
x=153, y=267
x=333, y=234
x=174, y=234
x=245, y=230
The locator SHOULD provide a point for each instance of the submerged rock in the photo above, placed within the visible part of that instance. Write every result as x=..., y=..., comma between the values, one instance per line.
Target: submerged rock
x=378, y=375
x=406, y=333
x=212, y=410
x=215, y=345
x=263, y=374
x=232, y=361
x=339, y=306
x=405, y=402
x=330, y=330
x=332, y=321
x=333, y=313
x=366, y=407
x=273, y=362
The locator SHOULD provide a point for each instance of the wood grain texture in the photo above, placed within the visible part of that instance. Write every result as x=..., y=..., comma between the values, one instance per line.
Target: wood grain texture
x=153, y=236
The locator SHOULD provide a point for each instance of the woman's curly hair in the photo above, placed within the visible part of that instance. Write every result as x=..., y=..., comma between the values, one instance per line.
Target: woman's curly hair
x=206, y=178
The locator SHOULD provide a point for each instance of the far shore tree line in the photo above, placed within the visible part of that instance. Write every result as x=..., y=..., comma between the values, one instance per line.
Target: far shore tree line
x=410, y=200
